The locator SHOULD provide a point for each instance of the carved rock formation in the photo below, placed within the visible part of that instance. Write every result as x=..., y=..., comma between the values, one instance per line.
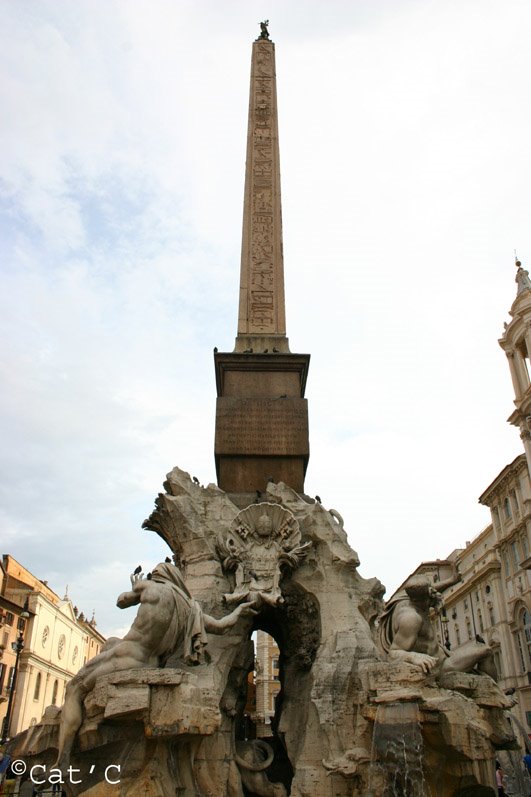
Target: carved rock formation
x=343, y=710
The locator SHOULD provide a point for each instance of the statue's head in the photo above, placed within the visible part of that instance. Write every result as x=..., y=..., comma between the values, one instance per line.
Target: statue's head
x=264, y=526
x=421, y=590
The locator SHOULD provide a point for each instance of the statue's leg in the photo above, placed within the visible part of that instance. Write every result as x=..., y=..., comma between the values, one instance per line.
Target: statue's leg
x=71, y=719
x=468, y=657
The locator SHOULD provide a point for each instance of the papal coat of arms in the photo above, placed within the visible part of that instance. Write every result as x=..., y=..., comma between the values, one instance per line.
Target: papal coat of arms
x=263, y=540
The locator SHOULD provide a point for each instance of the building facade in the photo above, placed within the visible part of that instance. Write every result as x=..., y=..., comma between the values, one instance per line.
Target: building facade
x=266, y=683
x=493, y=598
x=57, y=642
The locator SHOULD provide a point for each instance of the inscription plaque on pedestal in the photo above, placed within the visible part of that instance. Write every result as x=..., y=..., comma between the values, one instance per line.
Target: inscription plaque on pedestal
x=266, y=427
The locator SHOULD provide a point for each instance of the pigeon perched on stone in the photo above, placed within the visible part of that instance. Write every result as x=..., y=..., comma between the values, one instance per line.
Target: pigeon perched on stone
x=318, y=499
x=137, y=570
x=195, y=480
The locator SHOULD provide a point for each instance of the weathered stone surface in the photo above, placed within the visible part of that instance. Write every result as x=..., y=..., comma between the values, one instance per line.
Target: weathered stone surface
x=341, y=703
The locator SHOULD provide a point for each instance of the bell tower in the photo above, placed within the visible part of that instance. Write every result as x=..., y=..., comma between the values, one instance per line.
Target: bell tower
x=261, y=412
x=516, y=343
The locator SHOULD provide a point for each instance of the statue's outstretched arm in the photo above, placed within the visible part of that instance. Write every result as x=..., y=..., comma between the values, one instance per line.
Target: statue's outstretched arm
x=455, y=578
x=213, y=626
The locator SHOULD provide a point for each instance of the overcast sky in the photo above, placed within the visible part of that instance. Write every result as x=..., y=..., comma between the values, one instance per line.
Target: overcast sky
x=405, y=135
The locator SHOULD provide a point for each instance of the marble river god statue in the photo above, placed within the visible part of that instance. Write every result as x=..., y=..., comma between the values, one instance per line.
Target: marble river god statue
x=168, y=617
x=407, y=631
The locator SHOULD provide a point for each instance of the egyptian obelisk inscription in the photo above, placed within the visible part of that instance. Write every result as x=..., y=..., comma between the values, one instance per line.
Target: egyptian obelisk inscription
x=262, y=273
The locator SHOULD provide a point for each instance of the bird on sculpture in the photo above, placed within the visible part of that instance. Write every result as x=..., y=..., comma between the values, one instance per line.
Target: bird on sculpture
x=266, y=351
x=215, y=349
x=318, y=499
x=270, y=480
x=247, y=351
x=480, y=639
x=137, y=570
x=168, y=560
x=195, y=480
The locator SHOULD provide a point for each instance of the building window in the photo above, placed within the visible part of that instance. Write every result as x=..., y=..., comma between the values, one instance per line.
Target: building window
x=466, y=604
x=468, y=628
x=9, y=618
x=496, y=518
x=520, y=651
x=516, y=505
x=497, y=662
x=37, y=690
x=525, y=546
x=507, y=509
x=491, y=615
x=457, y=634
x=54, y=693
x=526, y=619
x=480, y=621
x=506, y=563
x=516, y=556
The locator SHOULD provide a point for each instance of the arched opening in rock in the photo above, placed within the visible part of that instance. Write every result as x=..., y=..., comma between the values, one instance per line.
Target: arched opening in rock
x=286, y=638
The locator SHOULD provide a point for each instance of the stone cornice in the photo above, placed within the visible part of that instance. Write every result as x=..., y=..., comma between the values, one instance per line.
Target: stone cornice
x=503, y=479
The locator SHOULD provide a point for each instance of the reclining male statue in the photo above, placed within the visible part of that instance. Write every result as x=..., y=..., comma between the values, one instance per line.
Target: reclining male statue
x=407, y=632
x=167, y=618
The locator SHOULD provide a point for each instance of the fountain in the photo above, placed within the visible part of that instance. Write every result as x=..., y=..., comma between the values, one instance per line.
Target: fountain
x=160, y=712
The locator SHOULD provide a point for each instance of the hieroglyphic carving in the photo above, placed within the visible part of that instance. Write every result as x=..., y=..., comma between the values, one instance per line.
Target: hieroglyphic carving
x=262, y=266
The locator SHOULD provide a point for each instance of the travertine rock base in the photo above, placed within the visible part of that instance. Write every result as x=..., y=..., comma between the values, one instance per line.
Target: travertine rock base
x=349, y=723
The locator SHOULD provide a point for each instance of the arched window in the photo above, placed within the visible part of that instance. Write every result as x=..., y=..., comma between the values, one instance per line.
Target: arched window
x=54, y=692
x=457, y=634
x=37, y=690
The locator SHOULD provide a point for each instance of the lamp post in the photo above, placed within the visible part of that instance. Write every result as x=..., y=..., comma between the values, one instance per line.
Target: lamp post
x=18, y=647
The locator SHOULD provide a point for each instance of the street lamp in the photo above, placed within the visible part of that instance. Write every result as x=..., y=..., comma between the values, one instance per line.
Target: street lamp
x=18, y=647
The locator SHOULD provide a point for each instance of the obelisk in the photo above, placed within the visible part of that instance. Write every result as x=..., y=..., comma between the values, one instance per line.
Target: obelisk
x=262, y=316
x=261, y=412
